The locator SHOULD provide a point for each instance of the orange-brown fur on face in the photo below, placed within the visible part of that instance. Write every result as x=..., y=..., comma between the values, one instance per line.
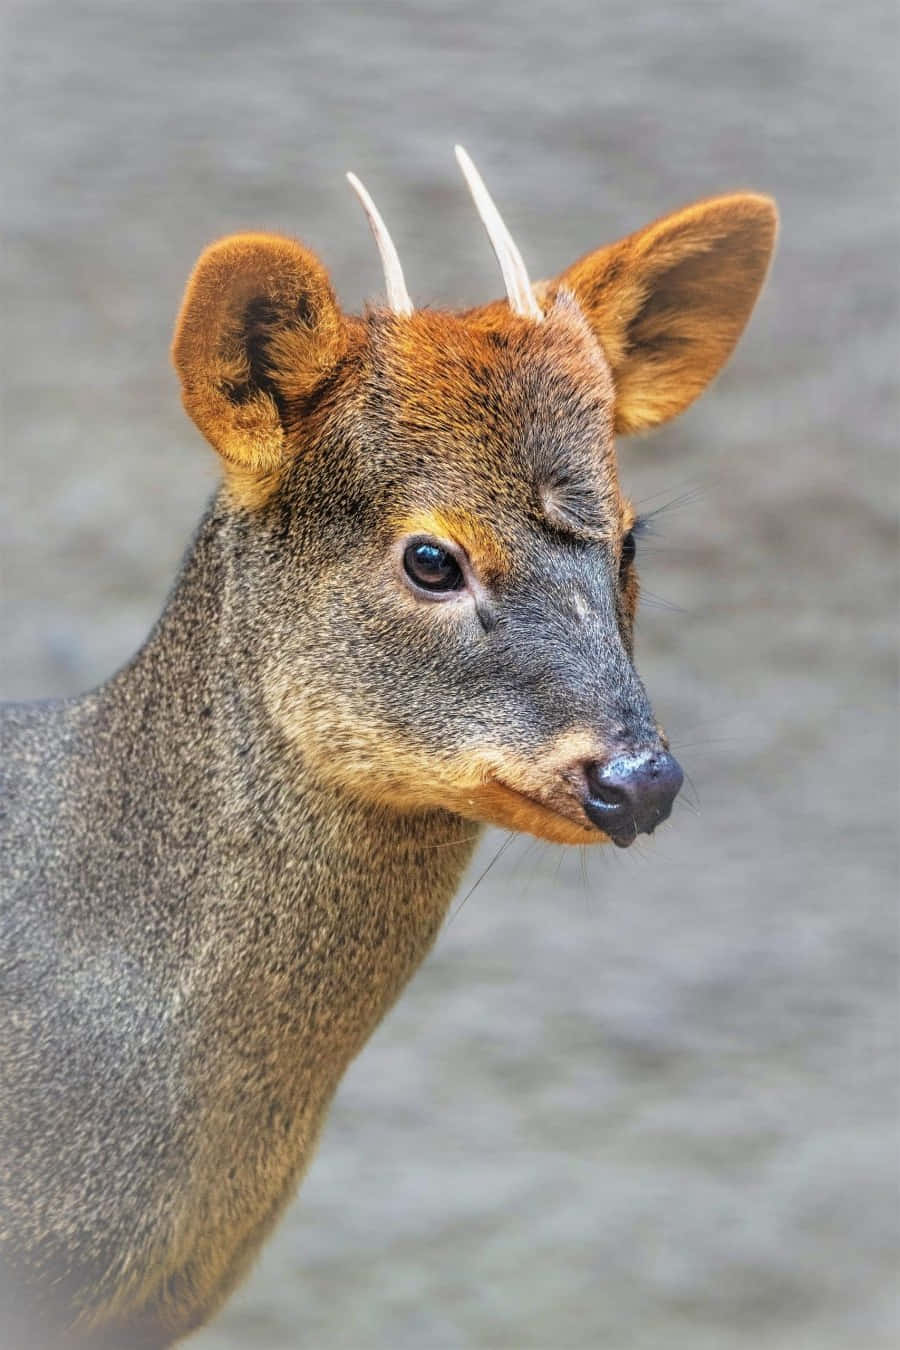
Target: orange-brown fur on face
x=541, y=794
x=464, y=527
x=478, y=392
x=260, y=331
x=496, y=804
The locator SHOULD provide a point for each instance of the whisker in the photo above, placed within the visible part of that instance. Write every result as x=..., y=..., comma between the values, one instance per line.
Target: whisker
x=714, y=740
x=662, y=549
x=655, y=601
x=592, y=881
x=531, y=843
x=452, y=843
x=689, y=485
x=542, y=845
x=684, y=802
x=693, y=786
x=651, y=520
x=585, y=887
x=480, y=878
x=691, y=493
x=710, y=722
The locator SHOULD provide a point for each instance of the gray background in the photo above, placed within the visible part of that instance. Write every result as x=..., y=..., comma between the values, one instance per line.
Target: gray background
x=642, y=1100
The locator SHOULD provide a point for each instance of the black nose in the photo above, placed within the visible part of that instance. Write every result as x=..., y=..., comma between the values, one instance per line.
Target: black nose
x=632, y=794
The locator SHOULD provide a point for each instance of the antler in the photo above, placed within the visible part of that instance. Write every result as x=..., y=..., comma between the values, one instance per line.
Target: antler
x=397, y=294
x=518, y=287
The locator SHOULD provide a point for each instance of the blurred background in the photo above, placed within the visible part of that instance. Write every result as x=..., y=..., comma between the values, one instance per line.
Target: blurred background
x=635, y=1100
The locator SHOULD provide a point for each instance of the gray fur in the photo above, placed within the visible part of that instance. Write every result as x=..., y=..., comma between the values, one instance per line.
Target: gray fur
x=188, y=917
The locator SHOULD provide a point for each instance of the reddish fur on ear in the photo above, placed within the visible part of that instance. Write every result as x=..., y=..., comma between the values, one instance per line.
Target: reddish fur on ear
x=669, y=303
x=259, y=330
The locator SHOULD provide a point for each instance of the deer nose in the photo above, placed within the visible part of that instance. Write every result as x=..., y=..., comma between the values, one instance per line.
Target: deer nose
x=632, y=794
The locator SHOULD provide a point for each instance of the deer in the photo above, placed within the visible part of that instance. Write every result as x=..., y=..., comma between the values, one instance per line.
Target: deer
x=407, y=613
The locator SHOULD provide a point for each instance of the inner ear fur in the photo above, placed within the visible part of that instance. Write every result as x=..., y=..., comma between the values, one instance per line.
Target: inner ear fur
x=669, y=303
x=258, y=332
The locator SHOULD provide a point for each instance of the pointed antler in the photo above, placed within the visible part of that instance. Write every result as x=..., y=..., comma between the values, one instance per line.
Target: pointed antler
x=515, y=277
x=397, y=294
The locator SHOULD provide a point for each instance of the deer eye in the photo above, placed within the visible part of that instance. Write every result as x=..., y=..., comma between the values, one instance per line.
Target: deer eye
x=432, y=567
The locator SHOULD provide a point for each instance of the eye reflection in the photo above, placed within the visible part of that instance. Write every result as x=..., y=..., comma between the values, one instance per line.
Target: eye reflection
x=431, y=567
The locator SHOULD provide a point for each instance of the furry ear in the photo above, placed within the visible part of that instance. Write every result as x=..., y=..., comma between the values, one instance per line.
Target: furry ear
x=259, y=330
x=669, y=303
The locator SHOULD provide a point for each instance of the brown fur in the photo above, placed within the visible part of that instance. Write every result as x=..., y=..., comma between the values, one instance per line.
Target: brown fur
x=472, y=533
x=221, y=867
x=259, y=328
x=669, y=303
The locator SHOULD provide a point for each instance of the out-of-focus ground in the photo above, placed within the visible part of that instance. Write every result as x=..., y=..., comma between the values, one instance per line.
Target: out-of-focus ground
x=642, y=1100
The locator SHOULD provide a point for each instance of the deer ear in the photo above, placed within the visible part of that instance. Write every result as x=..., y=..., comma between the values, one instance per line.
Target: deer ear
x=258, y=332
x=669, y=303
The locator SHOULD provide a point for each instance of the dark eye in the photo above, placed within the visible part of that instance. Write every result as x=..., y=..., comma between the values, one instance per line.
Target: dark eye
x=432, y=567
x=626, y=558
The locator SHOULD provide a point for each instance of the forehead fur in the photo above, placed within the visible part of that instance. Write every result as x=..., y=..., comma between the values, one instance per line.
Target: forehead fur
x=496, y=413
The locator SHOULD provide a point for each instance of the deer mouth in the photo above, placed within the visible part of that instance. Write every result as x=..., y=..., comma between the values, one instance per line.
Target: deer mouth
x=510, y=808
x=576, y=815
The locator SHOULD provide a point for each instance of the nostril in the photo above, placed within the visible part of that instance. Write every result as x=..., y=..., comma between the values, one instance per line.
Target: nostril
x=608, y=802
x=604, y=786
x=609, y=795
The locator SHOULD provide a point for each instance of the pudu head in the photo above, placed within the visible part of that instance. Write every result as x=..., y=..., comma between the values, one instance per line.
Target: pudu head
x=437, y=563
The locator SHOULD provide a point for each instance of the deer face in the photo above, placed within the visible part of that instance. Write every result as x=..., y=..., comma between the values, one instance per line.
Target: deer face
x=497, y=586
x=439, y=554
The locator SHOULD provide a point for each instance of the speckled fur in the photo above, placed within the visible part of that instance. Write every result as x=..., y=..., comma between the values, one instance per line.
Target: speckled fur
x=221, y=868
